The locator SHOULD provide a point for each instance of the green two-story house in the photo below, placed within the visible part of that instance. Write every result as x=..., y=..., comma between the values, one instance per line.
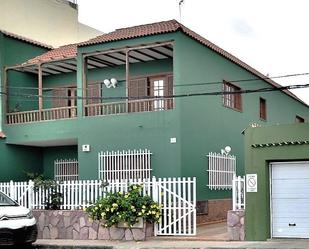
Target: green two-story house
x=153, y=99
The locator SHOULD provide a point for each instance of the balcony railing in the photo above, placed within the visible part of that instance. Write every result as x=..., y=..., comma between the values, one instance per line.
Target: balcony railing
x=44, y=115
x=130, y=106
x=101, y=109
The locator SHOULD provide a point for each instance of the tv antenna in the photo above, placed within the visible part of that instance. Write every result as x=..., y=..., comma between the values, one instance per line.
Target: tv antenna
x=180, y=3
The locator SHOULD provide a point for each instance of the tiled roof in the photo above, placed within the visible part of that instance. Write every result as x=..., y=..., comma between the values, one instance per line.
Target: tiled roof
x=66, y=51
x=146, y=30
x=22, y=38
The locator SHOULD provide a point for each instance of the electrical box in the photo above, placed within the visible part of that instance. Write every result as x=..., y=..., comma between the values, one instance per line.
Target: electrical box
x=172, y=140
x=86, y=147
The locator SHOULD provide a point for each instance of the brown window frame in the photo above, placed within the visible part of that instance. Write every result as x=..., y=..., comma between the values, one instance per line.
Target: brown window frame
x=232, y=101
x=299, y=119
x=263, y=109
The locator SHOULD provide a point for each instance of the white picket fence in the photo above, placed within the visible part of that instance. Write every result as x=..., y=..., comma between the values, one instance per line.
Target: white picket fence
x=221, y=170
x=239, y=193
x=176, y=195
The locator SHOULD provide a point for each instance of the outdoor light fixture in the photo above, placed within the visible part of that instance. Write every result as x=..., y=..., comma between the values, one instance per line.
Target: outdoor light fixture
x=226, y=150
x=110, y=82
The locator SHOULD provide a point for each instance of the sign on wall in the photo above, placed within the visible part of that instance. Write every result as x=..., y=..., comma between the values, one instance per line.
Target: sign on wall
x=251, y=182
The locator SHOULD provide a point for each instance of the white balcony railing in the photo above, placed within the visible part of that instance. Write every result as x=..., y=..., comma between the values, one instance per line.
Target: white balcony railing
x=44, y=115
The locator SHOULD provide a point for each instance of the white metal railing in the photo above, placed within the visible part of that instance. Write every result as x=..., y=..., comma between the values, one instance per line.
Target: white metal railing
x=111, y=108
x=221, y=170
x=239, y=193
x=44, y=115
x=118, y=165
x=66, y=169
x=177, y=196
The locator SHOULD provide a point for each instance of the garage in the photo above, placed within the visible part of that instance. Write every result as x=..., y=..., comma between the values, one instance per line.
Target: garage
x=290, y=199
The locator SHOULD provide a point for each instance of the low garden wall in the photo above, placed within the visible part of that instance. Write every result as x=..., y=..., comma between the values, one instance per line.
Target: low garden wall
x=63, y=224
x=236, y=225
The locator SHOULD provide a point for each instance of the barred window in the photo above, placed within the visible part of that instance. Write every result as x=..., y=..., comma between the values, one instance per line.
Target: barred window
x=66, y=169
x=126, y=164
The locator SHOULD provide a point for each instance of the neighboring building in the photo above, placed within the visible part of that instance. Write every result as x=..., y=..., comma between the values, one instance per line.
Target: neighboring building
x=15, y=49
x=53, y=22
x=79, y=109
x=279, y=155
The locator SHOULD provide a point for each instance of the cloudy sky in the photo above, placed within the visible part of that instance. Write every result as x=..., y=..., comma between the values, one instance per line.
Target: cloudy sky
x=270, y=35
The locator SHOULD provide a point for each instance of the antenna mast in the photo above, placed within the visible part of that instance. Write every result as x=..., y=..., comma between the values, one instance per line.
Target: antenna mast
x=180, y=3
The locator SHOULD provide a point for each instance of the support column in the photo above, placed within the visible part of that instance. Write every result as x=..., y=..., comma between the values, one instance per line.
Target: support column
x=5, y=98
x=40, y=90
x=127, y=79
x=84, y=85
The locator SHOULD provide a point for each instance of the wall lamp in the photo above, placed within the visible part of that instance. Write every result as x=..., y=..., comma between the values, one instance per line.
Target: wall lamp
x=110, y=82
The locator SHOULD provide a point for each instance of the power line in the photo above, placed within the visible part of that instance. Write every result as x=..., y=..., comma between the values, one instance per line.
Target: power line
x=178, y=85
x=264, y=89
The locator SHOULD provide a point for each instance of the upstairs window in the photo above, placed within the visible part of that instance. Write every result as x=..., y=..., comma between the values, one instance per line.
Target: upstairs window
x=263, y=113
x=232, y=100
x=299, y=119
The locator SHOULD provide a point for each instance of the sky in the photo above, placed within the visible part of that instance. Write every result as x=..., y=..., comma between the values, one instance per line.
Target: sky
x=270, y=35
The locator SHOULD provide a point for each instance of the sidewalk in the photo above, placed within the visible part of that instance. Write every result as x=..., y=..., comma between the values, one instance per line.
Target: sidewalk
x=160, y=244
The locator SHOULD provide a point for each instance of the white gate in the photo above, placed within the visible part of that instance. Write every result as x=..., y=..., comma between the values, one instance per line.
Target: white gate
x=178, y=198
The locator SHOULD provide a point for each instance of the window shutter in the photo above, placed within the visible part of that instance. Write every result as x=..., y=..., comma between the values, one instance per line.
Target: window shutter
x=169, y=91
x=60, y=97
x=94, y=93
x=137, y=90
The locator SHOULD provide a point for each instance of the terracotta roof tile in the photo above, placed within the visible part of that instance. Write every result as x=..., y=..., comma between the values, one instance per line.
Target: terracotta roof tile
x=66, y=51
x=146, y=30
x=22, y=38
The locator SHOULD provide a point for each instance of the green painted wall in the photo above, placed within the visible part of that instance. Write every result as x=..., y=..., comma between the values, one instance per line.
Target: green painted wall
x=50, y=154
x=16, y=160
x=200, y=124
x=257, y=162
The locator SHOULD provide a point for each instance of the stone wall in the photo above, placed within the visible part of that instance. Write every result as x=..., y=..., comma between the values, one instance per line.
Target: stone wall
x=236, y=225
x=63, y=224
x=214, y=210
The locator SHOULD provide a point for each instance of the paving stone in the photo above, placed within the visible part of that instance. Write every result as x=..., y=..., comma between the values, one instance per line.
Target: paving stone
x=82, y=222
x=138, y=233
x=66, y=221
x=54, y=220
x=103, y=233
x=232, y=219
x=116, y=233
x=69, y=232
x=84, y=233
x=93, y=234
x=128, y=235
x=46, y=234
x=54, y=233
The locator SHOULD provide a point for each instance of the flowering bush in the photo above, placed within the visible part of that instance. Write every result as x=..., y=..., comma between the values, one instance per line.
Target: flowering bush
x=125, y=207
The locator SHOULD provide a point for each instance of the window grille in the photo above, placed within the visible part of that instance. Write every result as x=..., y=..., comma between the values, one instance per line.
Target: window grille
x=121, y=165
x=221, y=169
x=66, y=169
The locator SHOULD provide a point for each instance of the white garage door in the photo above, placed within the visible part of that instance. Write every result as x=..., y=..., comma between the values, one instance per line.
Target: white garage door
x=290, y=199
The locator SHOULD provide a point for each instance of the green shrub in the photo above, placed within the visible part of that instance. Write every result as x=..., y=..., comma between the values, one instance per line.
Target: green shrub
x=125, y=207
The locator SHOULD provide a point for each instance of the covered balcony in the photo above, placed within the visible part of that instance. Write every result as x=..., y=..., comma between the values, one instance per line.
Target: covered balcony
x=114, y=81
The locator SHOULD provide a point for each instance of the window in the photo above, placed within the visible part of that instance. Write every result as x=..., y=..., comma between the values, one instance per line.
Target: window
x=263, y=114
x=66, y=170
x=123, y=165
x=141, y=91
x=232, y=100
x=299, y=119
